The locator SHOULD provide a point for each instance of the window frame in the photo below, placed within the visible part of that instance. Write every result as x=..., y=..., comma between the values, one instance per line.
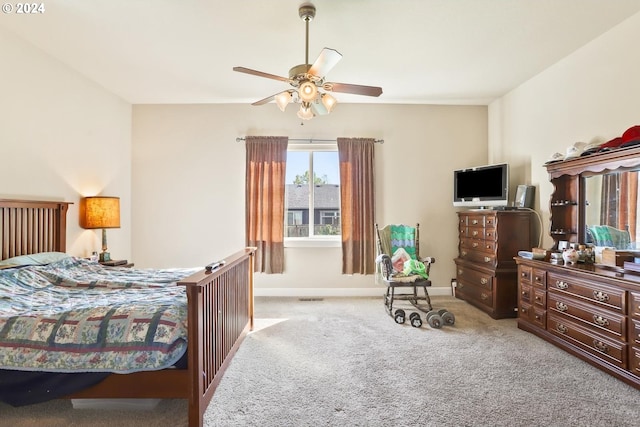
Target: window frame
x=312, y=241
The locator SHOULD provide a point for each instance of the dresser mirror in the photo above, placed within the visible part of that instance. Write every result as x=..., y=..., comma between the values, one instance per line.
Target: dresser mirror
x=595, y=199
x=611, y=212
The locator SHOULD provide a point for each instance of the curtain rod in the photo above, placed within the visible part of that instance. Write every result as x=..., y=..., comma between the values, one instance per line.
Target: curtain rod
x=312, y=140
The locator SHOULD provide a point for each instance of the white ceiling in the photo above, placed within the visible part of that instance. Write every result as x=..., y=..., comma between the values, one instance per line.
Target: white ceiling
x=418, y=51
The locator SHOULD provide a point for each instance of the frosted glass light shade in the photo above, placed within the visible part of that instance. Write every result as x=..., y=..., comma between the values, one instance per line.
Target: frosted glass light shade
x=305, y=113
x=308, y=91
x=328, y=101
x=283, y=99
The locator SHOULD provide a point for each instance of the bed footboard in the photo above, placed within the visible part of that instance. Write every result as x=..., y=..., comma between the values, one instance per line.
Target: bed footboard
x=221, y=305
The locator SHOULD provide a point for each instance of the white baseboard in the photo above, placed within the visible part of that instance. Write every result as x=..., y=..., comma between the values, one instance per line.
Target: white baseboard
x=335, y=292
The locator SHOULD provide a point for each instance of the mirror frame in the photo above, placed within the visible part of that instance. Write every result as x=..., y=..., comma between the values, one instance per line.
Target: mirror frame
x=581, y=167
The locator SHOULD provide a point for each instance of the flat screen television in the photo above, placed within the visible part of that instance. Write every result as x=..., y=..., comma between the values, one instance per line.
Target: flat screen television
x=482, y=186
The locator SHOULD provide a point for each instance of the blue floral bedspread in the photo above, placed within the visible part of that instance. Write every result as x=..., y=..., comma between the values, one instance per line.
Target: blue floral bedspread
x=76, y=316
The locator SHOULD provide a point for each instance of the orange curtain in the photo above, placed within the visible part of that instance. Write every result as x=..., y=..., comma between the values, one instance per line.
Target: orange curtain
x=357, y=204
x=265, y=186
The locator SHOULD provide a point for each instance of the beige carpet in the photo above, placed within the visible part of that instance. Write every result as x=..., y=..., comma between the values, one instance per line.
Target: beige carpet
x=344, y=362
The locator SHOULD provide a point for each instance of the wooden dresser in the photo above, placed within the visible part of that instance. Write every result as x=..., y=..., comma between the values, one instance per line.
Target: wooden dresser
x=485, y=268
x=591, y=312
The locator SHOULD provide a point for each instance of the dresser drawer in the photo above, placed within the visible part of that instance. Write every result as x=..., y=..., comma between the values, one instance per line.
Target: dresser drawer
x=526, y=292
x=634, y=302
x=490, y=221
x=539, y=278
x=482, y=258
x=539, y=298
x=475, y=220
x=525, y=273
x=480, y=294
x=532, y=314
x=490, y=234
x=606, y=296
x=607, y=322
x=609, y=350
x=634, y=333
x=470, y=244
x=634, y=362
x=475, y=277
x=475, y=232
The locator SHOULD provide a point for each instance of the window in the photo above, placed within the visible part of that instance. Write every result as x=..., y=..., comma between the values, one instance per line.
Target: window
x=312, y=194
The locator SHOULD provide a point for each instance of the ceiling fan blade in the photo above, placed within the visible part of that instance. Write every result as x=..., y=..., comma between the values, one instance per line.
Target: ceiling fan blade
x=260, y=74
x=355, y=89
x=327, y=59
x=266, y=100
x=319, y=109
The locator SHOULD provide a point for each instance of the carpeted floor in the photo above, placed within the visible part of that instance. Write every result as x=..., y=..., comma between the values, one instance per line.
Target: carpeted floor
x=344, y=362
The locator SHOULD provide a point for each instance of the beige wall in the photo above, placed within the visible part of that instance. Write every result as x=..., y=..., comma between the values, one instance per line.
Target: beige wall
x=188, y=183
x=180, y=173
x=62, y=136
x=591, y=95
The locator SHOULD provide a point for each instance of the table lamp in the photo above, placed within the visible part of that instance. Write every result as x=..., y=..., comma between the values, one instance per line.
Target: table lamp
x=100, y=212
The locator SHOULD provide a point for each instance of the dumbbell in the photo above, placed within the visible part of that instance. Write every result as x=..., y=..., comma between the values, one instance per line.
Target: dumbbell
x=415, y=319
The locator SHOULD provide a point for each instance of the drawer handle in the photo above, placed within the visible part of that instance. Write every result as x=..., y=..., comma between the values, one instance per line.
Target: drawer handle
x=484, y=296
x=600, y=321
x=561, y=306
x=463, y=253
x=488, y=247
x=561, y=285
x=538, y=279
x=474, y=222
x=525, y=294
x=484, y=281
x=561, y=328
x=537, y=298
x=524, y=310
x=487, y=259
x=475, y=244
x=460, y=271
x=474, y=233
x=600, y=296
x=460, y=285
x=600, y=346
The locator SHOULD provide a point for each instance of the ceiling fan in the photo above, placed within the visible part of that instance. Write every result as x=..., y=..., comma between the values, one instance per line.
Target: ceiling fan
x=307, y=79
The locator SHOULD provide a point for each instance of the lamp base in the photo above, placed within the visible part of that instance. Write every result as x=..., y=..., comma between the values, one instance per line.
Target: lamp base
x=105, y=256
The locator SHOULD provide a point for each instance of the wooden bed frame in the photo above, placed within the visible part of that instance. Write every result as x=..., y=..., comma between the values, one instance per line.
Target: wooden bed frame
x=220, y=311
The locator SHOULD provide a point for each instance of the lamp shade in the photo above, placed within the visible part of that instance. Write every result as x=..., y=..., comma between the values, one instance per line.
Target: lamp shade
x=100, y=212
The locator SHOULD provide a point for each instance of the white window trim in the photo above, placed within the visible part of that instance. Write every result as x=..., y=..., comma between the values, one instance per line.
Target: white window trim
x=313, y=242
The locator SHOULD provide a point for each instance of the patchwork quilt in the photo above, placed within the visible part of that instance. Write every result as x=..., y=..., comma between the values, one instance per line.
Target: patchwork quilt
x=74, y=315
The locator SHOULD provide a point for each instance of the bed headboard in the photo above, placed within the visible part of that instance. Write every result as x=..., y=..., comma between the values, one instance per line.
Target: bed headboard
x=31, y=226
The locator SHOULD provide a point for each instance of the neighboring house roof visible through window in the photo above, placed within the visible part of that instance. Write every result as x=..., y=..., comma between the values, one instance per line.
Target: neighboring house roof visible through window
x=325, y=196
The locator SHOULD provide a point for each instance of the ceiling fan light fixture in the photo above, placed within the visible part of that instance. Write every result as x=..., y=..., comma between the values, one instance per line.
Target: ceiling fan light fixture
x=328, y=101
x=308, y=79
x=308, y=91
x=305, y=112
x=283, y=99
